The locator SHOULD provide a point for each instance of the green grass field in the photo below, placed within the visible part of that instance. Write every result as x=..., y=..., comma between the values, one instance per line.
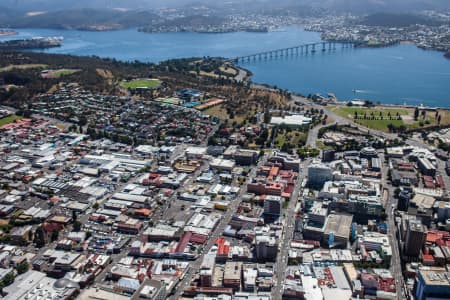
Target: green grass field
x=9, y=119
x=141, y=83
x=60, y=73
x=374, y=43
x=381, y=120
x=381, y=125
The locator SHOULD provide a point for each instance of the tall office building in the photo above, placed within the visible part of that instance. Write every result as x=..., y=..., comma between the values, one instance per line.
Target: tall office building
x=415, y=238
x=272, y=205
x=318, y=174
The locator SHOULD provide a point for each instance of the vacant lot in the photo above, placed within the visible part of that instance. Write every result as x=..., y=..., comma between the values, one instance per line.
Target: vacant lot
x=59, y=73
x=220, y=112
x=141, y=83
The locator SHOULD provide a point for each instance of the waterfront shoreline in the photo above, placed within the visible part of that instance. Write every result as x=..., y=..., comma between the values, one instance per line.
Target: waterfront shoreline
x=280, y=73
x=336, y=101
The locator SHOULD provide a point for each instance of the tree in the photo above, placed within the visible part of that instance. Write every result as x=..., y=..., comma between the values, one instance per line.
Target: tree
x=416, y=113
x=7, y=279
x=39, y=237
x=23, y=267
x=74, y=216
x=82, y=120
x=96, y=205
x=267, y=116
x=77, y=226
x=55, y=235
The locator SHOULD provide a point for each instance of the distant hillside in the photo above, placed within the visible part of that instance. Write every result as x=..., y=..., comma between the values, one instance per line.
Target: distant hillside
x=81, y=19
x=196, y=20
x=356, y=6
x=372, y=6
x=396, y=20
x=235, y=6
x=56, y=5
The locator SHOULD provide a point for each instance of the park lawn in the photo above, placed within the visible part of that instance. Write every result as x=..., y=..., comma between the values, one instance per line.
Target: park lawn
x=349, y=112
x=141, y=83
x=9, y=119
x=381, y=125
x=377, y=124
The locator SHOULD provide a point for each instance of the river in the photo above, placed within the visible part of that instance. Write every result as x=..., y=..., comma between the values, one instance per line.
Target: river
x=401, y=74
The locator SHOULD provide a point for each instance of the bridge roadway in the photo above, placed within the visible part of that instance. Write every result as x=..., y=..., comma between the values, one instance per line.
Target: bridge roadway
x=300, y=49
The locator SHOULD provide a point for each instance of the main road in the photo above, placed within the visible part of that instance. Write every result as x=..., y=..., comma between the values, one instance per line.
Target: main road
x=396, y=263
x=288, y=232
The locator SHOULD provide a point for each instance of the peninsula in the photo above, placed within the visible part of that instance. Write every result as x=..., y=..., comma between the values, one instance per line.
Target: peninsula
x=35, y=43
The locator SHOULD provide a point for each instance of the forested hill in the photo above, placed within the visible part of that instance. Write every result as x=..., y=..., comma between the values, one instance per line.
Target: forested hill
x=87, y=19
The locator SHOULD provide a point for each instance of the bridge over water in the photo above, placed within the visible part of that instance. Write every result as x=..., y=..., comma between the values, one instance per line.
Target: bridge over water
x=295, y=50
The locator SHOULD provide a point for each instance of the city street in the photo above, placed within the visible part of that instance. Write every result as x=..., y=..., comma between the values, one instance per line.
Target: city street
x=289, y=222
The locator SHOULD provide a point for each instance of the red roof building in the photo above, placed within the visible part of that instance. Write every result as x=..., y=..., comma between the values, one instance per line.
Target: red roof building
x=223, y=248
x=183, y=242
x=386, y=284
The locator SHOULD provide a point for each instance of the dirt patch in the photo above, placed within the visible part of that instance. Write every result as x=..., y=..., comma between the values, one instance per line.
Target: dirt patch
x=408, y=119
x=104, y=73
